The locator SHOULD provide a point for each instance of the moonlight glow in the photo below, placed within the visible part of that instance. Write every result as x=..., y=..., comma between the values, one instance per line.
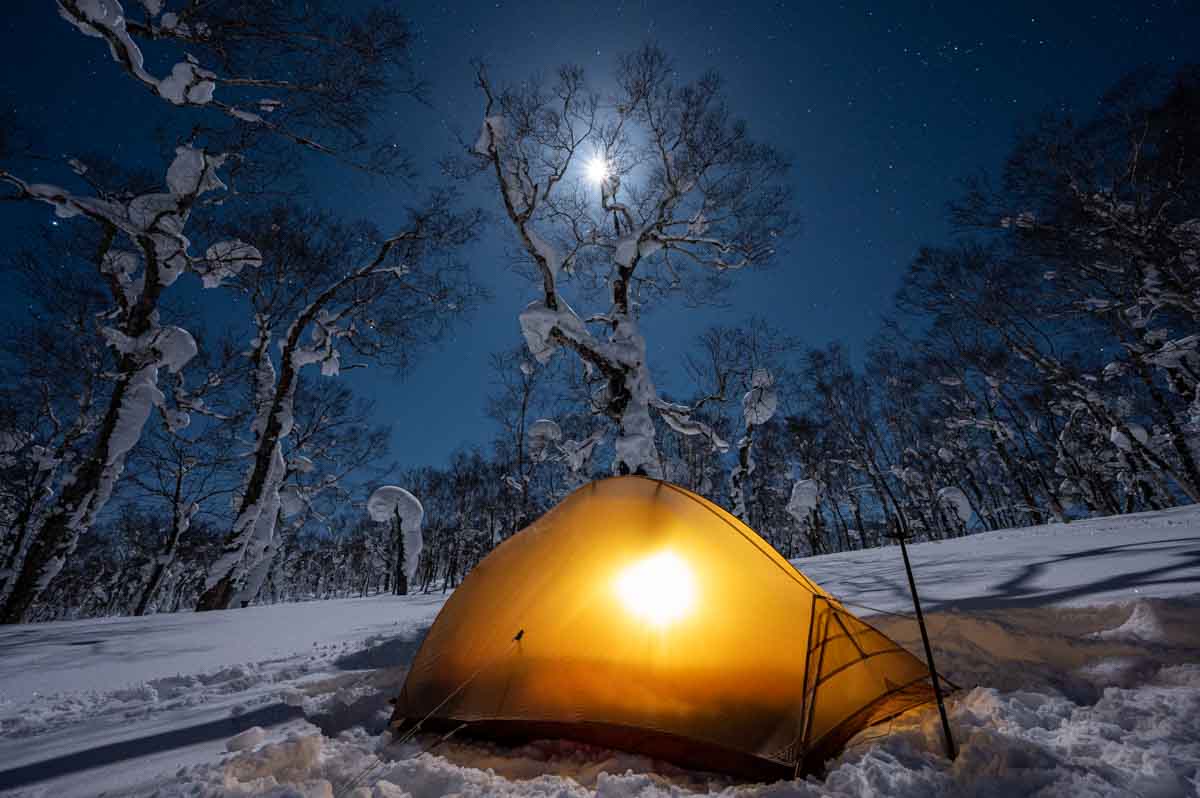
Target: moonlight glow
x=657, y=590
x=597, y=170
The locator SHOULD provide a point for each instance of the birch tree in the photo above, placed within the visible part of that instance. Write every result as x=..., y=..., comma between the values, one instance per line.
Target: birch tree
x=252, y=72
x=332, y=289
x=657, y=190
x=309, y=73
x=153, y=225
x=182, y=475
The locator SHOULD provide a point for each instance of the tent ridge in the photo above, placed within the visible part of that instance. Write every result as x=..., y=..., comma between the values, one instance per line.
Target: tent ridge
x=790, y=570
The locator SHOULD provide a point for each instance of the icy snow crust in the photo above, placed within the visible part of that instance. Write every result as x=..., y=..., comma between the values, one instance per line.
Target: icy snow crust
x=1076, y=647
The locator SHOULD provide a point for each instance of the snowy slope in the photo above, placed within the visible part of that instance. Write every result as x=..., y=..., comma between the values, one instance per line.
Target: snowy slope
x=1077, y=648
x=1101, y=560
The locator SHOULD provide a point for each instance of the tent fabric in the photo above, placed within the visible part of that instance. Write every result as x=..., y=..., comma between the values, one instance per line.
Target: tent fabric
x=640, y=616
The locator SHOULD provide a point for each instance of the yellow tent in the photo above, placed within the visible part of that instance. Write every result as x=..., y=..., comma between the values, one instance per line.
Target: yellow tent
x=640, y=616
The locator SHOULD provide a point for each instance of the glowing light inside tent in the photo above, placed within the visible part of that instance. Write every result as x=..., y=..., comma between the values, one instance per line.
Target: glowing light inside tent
x=657, y=590
x=596, y=169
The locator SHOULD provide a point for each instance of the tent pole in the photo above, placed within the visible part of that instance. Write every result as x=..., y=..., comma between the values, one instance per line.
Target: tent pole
x=947, y=736
x=804, y=699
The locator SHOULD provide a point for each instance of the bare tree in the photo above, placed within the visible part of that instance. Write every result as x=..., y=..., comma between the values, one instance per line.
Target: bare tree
x=1104, y=214
x=153, y=224
x=518, y=384
x=685, y=197
x=397, y=297
x=56, y=367
x=183, y=473
x=309, y=72
x=745, y=363
x=297, y=70
x=333, y=449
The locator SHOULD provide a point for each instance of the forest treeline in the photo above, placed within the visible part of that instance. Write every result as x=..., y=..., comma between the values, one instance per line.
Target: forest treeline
x=1040, y=365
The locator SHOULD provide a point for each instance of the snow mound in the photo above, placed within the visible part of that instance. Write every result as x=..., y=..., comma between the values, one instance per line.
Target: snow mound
x=250, y=738
x=1142, y=625
x=290, y=762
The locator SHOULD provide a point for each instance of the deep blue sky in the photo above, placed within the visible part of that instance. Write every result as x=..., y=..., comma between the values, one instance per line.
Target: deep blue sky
x=881, y=106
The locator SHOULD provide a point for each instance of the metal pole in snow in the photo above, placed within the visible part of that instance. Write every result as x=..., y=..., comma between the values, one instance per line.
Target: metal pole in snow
x=947, y=737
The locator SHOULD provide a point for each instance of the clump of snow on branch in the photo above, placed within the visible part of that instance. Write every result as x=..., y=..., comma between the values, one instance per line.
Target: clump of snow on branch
x=490, y=131
x=577, y=454
x=122, y=266
x=323, y=349
x=546, y=442
x=160, y=217
x=546, y=252
x=758, y=407
x=957, y=501
x=292, y=501
x=194, y=172
x=760, y=402
x=634, y=445
x=624, y=354
x=679, y=418
x=806, y=494
x=544, y=434
x=226, y=259
x=170, y=347
x=389, y=503
x=539, y=323
x=1123, y=442
x=188, y=83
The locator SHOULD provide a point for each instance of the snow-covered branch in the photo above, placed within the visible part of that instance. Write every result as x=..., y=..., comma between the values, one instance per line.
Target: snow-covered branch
x=328, y=71
x=698, y=187
x=154, y=224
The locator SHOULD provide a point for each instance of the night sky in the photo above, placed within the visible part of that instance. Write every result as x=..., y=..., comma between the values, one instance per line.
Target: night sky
x=882, y=107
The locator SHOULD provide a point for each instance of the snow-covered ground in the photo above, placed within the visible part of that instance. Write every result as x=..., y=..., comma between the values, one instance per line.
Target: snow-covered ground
x=1077, y=648
x=1116, y=559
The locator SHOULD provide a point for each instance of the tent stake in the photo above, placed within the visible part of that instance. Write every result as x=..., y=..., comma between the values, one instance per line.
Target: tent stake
x=947, y=737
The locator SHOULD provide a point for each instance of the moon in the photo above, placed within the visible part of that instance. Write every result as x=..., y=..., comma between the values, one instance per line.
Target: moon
x=597, y=169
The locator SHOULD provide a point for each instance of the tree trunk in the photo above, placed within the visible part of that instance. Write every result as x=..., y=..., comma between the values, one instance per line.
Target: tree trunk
x=77, y=505
x=23, y=524
x=225, y=581
x=152, y=586
x=401, y=573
